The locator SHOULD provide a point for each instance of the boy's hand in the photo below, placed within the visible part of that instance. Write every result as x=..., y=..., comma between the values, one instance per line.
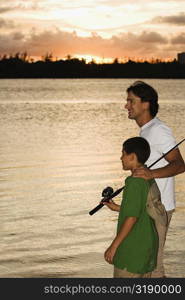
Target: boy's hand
x=109, y=254
x=111, y=205
x=143, y=173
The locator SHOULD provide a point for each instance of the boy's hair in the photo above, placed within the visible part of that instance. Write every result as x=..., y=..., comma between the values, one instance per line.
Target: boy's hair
x=139, y=146
x=147, y=94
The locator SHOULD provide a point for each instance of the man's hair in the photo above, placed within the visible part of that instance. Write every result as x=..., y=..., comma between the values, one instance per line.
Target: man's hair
x=147, y=94
x=139, y=146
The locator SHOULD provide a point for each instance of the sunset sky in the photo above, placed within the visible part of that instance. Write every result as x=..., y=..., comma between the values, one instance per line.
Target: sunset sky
x=102, y=29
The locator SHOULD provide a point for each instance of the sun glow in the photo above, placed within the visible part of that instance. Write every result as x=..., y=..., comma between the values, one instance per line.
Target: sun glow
x=93, y=58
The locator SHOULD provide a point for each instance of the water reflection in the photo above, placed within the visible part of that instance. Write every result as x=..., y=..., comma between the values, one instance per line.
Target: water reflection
x=55, y=160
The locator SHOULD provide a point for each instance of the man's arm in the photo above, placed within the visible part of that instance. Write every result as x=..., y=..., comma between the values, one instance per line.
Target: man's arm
x=176, y=166
x=124, y=231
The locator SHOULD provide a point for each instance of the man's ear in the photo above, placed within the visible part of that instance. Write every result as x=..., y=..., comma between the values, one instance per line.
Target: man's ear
x=146, y=105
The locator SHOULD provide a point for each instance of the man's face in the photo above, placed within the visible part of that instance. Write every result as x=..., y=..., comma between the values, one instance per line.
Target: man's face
x=135, y=107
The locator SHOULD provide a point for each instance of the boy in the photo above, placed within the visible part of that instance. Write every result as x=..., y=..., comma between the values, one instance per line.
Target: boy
x=133, y=252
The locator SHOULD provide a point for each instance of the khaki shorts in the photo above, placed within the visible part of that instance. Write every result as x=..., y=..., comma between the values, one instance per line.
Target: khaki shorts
x=159, y=272
x=119, y=273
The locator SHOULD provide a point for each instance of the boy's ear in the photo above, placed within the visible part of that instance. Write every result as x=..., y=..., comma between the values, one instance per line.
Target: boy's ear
x=133, y=156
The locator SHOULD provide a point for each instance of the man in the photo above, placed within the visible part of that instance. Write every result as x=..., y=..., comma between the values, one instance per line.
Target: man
x=142, y=106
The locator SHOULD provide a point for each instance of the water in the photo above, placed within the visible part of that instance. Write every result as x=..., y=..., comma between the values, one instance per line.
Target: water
x=83, y=90
x=60, y=143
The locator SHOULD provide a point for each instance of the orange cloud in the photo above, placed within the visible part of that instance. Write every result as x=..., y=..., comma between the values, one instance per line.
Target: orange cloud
x=61, y=43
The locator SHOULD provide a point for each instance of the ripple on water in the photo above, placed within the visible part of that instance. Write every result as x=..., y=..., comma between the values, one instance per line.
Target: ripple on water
x=56, y=158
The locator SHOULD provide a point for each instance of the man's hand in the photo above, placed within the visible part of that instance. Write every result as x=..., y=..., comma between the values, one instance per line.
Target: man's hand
x=109, y=254
x=175, y=166
x=144, y=173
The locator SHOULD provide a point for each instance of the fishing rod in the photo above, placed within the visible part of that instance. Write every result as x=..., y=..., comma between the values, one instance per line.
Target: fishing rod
x=108, y=193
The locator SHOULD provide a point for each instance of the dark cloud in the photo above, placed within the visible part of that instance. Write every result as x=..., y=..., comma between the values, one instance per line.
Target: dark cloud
x=60, y=44
x=11, y=7
x=17, y=36
x=6, y=24
x=174, y=19
x=5, y=9
x=152, y=37
x=9, y=44
x=21, y=6
x=142, y=45
x=180, y=39
x=2, y=23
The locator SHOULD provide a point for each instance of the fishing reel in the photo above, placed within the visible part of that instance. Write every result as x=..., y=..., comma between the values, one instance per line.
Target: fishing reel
x=107, y=192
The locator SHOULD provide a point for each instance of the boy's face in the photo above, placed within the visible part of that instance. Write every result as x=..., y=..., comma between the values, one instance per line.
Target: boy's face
x=127, y=160
x=135, y=107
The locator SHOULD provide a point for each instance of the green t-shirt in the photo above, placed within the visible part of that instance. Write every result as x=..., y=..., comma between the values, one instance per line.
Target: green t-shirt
x=138, y=251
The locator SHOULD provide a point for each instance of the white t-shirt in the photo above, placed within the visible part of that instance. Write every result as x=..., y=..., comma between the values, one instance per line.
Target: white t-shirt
x=161, y=140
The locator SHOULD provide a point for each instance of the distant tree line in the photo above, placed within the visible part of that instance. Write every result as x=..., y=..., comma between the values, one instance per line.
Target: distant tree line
x=21, y=66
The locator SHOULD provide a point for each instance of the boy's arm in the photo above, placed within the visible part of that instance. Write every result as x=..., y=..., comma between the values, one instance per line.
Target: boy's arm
x=124, y=231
